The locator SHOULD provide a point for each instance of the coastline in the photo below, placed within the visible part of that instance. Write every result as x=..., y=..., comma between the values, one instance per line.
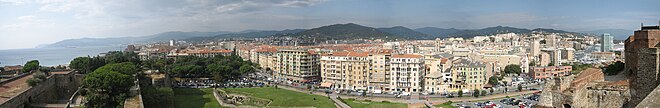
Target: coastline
x=52, y=56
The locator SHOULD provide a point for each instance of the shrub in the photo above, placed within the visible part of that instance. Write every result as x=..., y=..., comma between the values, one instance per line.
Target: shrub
x=460, y=93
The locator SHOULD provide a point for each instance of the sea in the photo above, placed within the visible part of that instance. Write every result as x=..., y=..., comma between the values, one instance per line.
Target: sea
x=52, y=56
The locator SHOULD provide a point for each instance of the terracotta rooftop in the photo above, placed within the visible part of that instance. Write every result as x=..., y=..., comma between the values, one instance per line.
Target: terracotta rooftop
x=406, y=56
x=208, y=51
x=444, y=60
x=588, y=73
x=352, y=54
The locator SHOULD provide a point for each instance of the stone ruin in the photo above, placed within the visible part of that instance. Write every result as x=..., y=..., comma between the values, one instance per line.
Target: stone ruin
x=235, y=99
x=586, y=90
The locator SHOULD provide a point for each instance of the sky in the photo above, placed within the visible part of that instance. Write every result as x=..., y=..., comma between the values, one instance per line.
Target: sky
x=28, y=23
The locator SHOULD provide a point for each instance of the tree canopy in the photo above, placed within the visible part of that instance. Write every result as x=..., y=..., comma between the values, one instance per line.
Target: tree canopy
x=219, y=67
x=512, y=69
x=127, y=68
x=614, y=68
x=31, y=65
x=37, y=78
x=87, y=64
x=493, y=80
x=107, y=88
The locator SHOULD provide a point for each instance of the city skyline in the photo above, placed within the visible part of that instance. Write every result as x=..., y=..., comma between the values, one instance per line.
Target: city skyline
x=59, y=20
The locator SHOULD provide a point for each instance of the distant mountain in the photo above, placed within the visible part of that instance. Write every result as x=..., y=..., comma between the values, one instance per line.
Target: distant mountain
x=176, y=35
x=248, y=34
x=329, y=32
x=405, y=32
x=437, y=32
x=619, y=34
x=488, y=31
x=343, y=31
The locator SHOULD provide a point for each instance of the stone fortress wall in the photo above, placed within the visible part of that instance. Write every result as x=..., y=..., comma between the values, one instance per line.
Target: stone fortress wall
x=57, y=87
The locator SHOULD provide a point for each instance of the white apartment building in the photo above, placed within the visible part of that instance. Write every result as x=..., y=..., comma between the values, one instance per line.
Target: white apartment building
x=406, y=73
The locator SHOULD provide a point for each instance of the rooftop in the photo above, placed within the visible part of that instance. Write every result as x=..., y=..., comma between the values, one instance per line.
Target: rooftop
x=406, y=56
x=351, y=54
x=468, y=63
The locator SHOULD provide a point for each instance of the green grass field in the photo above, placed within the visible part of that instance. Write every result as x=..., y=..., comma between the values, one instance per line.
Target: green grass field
x=445, y=105
x=195, y=98
x=367, y=104
x=285, y=98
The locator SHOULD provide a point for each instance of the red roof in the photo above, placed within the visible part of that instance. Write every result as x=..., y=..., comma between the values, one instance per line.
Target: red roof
x=406, y=56
x=352, y=54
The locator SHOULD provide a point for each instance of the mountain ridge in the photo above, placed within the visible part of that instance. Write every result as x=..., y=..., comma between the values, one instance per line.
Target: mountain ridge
x=328, y=32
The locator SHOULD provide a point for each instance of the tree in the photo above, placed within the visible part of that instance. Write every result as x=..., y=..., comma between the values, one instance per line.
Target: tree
x=86, y=64
x=475, y=93
x=127, y=68
x=492, y=80
x=37, y=78
x=483, y=92
x=614, y=68
x=107, y=88
x=246, y=68
x=31, y=65
x=491, y=90
x=119, y=57
x=187, y=70
x=532, y=63
x=219, y=72
x=519, y=88
x=460, y=93
x=512, y=69
x=81, y=64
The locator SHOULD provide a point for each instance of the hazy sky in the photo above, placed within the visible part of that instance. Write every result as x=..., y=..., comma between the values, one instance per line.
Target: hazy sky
x=28, y=23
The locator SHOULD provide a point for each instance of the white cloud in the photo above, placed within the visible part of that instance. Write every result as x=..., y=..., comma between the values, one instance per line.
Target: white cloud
x=25, y=22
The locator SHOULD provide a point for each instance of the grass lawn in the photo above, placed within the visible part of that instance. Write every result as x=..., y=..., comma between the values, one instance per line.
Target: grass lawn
x=195, y=98
x=285, y=98
x=445, y=105
x=368, y=104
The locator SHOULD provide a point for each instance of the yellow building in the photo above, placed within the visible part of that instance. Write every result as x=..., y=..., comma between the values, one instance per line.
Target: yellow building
x=468, y=75
x=345, y=70
x=297, y=65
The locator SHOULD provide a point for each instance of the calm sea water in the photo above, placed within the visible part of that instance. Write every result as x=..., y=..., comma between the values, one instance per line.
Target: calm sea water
x=51, y=56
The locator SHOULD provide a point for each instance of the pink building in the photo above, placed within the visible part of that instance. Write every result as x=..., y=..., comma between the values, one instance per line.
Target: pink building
x=550, y=72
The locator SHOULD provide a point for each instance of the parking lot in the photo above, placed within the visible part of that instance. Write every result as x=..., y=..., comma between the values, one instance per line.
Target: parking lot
x=528, y=100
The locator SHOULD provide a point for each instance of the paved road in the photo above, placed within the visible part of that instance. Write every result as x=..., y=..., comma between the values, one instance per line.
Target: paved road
x=337, y=101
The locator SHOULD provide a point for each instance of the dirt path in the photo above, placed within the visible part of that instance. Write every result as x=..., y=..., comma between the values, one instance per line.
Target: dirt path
x=12, y=88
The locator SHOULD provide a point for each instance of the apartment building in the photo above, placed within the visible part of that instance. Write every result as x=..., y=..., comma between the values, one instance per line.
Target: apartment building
x=345, y=70
x=438, y=77
x=468, y=75
x=406, y=73
x=265, y=57
x=550, y=72
x=379, y=70
x=298, y=65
